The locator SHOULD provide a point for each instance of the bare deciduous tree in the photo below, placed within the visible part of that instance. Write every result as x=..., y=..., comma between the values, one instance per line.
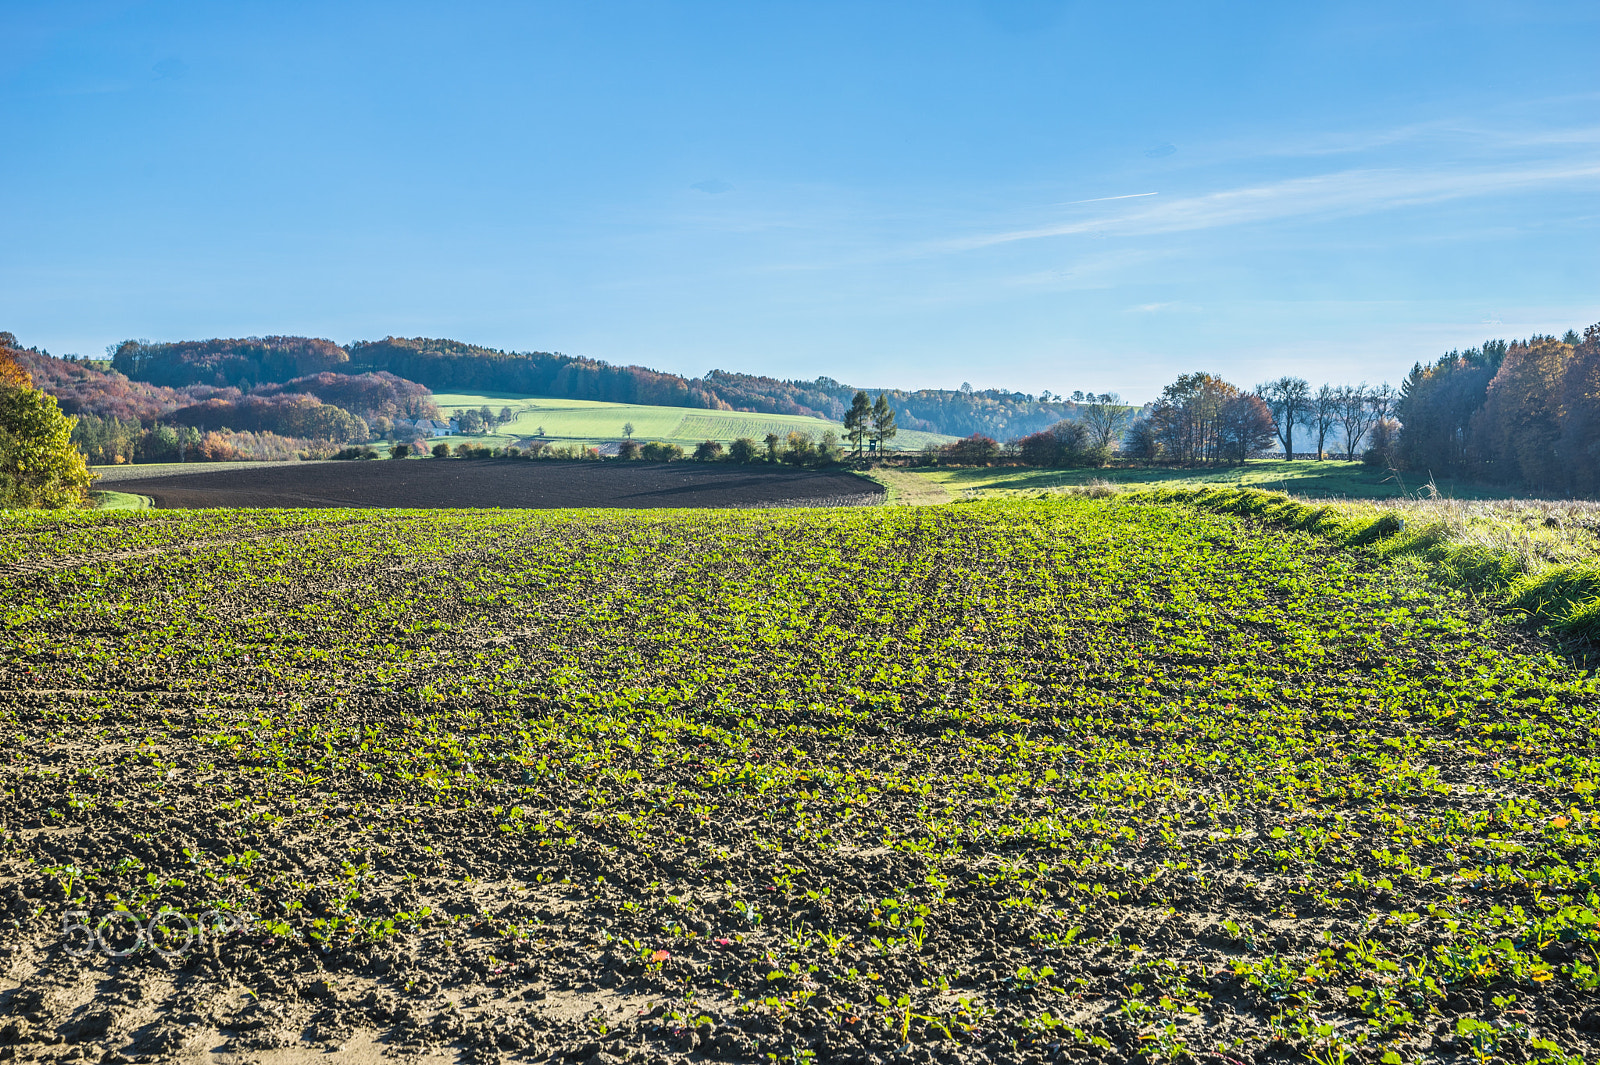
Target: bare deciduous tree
x=1288, y=400
x=1356, y=416
x=1383, y=399
x=1323, y=416
x=1105, y=416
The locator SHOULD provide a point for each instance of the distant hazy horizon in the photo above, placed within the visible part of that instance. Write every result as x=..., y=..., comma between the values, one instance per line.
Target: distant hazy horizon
x=1023, y=194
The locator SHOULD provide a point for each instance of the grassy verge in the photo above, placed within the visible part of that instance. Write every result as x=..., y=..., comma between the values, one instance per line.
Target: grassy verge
x=118, y=501
x=1303, y=477
x=1537, y=559
x=907, y=489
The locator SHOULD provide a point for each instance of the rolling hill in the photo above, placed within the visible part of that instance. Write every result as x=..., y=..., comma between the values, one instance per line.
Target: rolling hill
x=596, y=422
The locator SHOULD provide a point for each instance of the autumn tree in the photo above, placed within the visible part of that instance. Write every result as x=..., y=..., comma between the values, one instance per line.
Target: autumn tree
x=1580, y=405
x=1067, y=443
x=1244, y=426
x=1516, y=435
x=798, y=449
x=1186, y=418
x=39, y=466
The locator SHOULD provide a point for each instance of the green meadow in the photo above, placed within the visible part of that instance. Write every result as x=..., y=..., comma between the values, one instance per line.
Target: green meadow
x=578, y=421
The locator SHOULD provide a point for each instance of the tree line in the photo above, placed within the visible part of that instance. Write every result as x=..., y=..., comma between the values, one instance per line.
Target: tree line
x=444, y=365
x=1521, y=412
x=1199, y=419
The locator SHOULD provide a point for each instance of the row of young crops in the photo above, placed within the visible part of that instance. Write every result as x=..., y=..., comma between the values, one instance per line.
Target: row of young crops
x=1001, y=781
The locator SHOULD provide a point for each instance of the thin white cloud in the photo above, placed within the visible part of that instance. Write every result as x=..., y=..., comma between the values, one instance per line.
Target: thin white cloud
x=1104, y=199
x=1343, y=193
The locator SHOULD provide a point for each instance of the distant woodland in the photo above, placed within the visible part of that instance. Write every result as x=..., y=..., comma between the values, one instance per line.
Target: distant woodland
x=453, y=366
x=220, y=413
x=1524, y=413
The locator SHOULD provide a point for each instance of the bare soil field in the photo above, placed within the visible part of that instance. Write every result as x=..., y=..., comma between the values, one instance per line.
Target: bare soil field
x=505, y=483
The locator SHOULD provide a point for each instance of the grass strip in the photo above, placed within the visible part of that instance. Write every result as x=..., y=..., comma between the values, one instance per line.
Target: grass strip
x=1563, y=597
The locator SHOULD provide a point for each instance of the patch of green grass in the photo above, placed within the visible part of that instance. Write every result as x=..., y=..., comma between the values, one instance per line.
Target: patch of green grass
x=108, y=500
x=1305, y=477
x=578, y=421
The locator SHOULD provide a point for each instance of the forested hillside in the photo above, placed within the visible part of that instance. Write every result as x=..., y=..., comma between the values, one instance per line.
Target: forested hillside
x=120, y=419
x=991, y=412
x=237, y=363
x=453, y=366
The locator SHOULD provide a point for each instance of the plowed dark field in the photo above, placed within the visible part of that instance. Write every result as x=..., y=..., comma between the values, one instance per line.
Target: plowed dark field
x=1076, y=780
x=507, y=483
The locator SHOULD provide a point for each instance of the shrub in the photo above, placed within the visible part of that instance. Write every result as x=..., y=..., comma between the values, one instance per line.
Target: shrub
x=356, y=453
x=1382, y=451
x=975, y=450
x=628, y=450
x=708, y=451
x=655, y=451
x=744, y=451
x=798, y=449
x=441, y=450
x=1142, y=443
x=1065, y=443
x=400, y=451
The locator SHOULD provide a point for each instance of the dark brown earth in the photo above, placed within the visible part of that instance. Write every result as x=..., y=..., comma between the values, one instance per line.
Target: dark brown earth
x=509, y=483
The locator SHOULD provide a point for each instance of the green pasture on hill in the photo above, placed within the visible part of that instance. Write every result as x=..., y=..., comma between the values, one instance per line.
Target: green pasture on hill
x=1330, y=478
x=578, y=421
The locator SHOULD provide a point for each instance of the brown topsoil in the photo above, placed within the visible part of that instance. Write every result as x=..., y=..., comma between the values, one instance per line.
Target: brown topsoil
x=510, y=483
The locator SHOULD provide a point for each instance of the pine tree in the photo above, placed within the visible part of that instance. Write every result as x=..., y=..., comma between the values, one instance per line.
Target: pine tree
x=857, y=422
x=883, y=427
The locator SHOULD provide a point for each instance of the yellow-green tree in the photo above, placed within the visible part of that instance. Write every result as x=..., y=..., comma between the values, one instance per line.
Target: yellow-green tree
x=39, y=467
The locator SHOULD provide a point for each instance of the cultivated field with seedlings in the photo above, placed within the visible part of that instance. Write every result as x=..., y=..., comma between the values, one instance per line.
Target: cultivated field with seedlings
x=1076, y=779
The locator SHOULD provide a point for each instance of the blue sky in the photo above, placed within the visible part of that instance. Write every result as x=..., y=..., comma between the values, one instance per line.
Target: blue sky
x=1018, y=193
